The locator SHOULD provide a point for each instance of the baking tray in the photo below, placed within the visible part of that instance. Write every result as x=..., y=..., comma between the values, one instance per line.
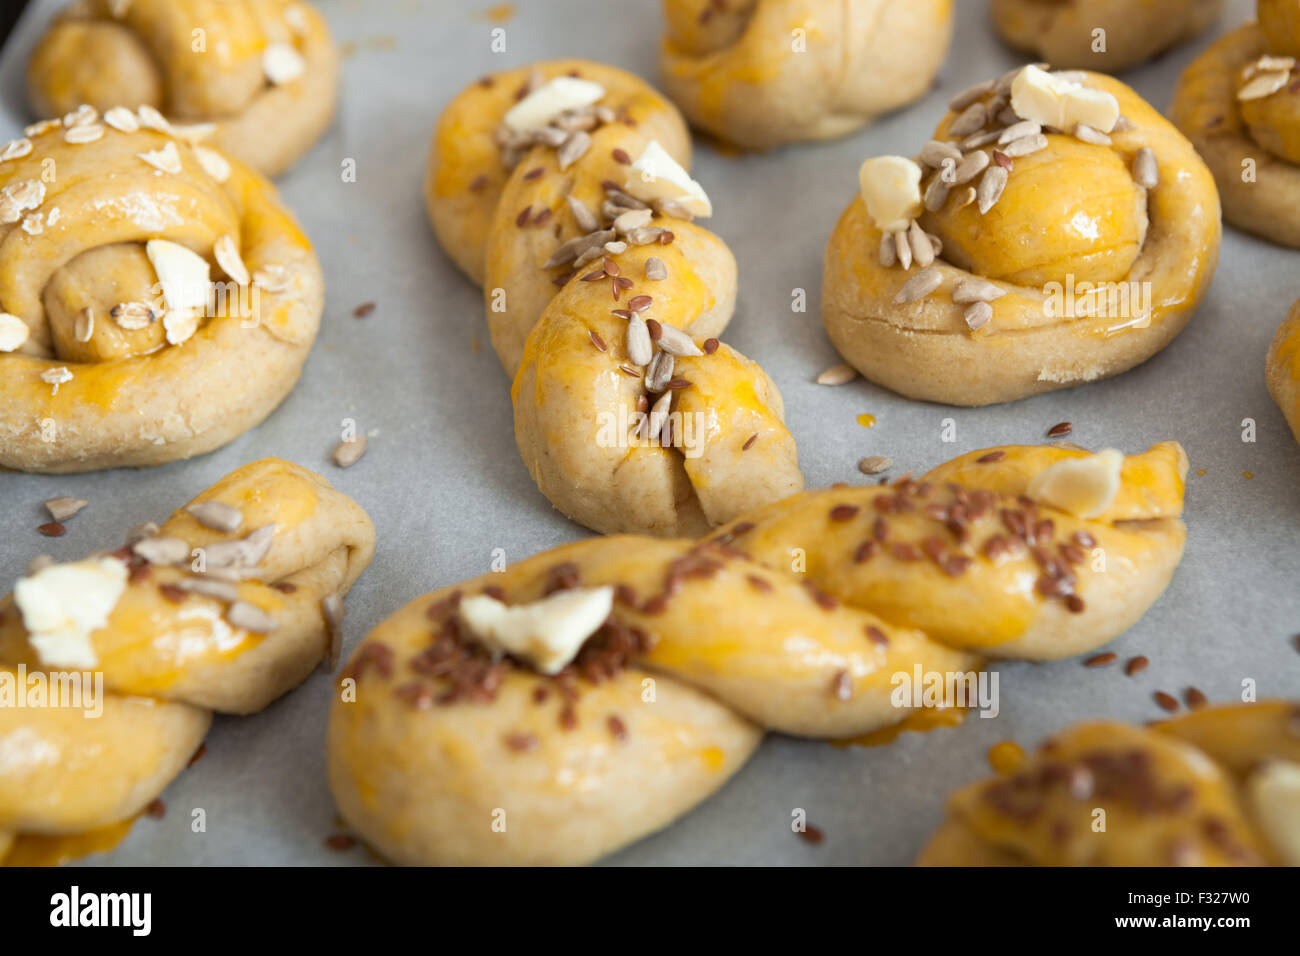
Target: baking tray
x=445, y=486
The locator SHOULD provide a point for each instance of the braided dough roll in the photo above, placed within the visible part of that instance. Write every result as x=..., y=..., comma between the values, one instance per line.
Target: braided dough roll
x=1216, y=787
x=1236, y=103
x=257, y=79
x=1064, y=33
x=158, y=299
x=512, y=211
x=1089, y=257
x=1282, y=369
x=447, y=746
x=173, y=645
x=761, y=73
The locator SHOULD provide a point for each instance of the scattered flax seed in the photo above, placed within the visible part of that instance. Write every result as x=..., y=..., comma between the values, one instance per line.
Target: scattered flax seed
x=61, y=509
x=710, y=346
x=172, y=593
x=340, y=842
x=156, y=809
x=811, y=834
x=1101, y=660
x=333, y=609
x=639, y=303
x=840, y=374
x=842, y=686
x=1060, y=430
x=52, y=529
x=363, y=310
x=198, y=755
x=522, y=219
x=621, y=156
x=1167, y=702
x=844, y=512
x=535, y=173
x=617, y=729
x=990, y=457
x=522, y=743
x=348, y=453
x=1195, y=698
x=1136, y=665
x=749, y=442
x=476, y=185
x=597, y=341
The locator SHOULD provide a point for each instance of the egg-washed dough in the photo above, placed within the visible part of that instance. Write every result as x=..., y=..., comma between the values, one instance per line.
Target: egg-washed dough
x=720, y=640
x=1168, y=237
x=1252, y=147
x=762, y=73
x=132, y=398
x=1062, y=32
x=563, y=343
x=1282, y=369
x=133, y=52
x=169, y=658
x=1177, y=793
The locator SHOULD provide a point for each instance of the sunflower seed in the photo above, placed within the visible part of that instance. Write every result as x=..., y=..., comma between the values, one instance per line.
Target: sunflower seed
x=888, y=253
x=85, y=325
x=1025, y=145
x=567, y=251
x=209, y=587
x=840, y=374
x=249, y=617
x=660, y=372
x=936, y=151
x=990, y=188
x=966, y=198
x=1145, y=169
x=626, y=200
x=936, y=194
x=1262, y=85
x=132, y=315
x=632, y=219
x=141, y=531
x=971, y=166
x=584, y=217
x=334, y=611
x=972, y=119
x=61, y=509
x=655, y=269
x=936, y=244
x=1123, y=125
x=573, y=148
x=977, y=315
x=976, y=290
x=348, y=453
x=658, y=416
x=981, y=139
x=904, y=249
x=639, y=349
x=969, y=95
x=1090, y=134
x=217, y=515
x=922, y=251
x=614, y=248
x=644, y=236
x=919, y=286
x=676, y=342
x=162, y=550
x=1019, y=129
x=875, y=464
x=1006, y=116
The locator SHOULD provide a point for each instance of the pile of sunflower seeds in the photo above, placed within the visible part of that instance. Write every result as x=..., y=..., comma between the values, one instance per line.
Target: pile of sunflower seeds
x=569, y=133
x=622, y=220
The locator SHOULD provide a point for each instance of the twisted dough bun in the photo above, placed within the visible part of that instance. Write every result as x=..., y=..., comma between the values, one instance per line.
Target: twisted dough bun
x=1061, y=31
x=562, y=329
x=1251, y=145
x=1215, y=787
x=1282, y=369
x=1153, y=250
x=711, y=643
x=108, y=370
x=264, y=73
x=739, y=70
x=170, y=654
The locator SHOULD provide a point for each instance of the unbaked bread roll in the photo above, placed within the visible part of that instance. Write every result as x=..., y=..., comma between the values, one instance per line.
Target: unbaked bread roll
x=562, y=189
x=1282, y=369
x=1216, y=787
x=590, y=695
x=254, y=78
x=1013, y=258
x=230, y=604
x=1238, y=105
x=1102, y=35
x=156, y=299
x=762, y=73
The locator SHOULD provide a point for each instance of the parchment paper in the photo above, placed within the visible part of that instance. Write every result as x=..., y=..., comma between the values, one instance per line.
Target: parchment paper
x=444, y=484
